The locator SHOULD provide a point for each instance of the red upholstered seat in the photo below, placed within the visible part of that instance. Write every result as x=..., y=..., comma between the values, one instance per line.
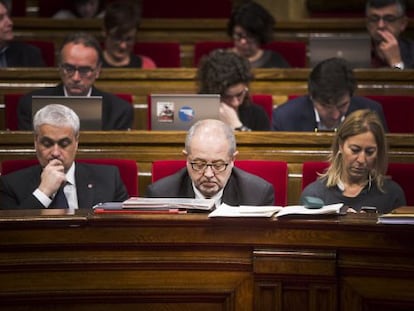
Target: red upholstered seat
x=186, y=9
x=128, y=169
x=293, y=51
x=402, y=173
x=275, y=172
x=164, y=54
x=11, y=101
x=398, y=111
x=266, y=101
x=47, y=48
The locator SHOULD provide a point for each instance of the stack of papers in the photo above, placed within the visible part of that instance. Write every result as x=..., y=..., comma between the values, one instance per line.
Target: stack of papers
x=402, y=215
x=168, y=203
x=225, y=210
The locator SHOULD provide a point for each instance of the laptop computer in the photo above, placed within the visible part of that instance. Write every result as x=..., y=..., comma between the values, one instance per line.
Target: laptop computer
x=178, y=112
x=355, y=48
x=88, y=108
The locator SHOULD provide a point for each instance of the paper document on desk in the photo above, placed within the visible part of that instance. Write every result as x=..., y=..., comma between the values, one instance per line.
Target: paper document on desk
x=403, y=215
x=302, y=210
x=157, y=203
x=225, y=210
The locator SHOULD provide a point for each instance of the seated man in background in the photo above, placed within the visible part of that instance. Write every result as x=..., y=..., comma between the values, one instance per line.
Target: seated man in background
x=228, y=74
x=120, y=24
x=79, y=66
x=210, y=149
x=59, y=182
x=331, y=86
x=14, y=53
x=386, y=20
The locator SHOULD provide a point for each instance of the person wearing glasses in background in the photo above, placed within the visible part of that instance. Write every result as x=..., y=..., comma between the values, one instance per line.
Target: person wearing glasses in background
x=120, y=24
x=210, y=151
x=251, y=26
x=386, y=20
x=331, y=87
x=228, y=74
x=79, y=67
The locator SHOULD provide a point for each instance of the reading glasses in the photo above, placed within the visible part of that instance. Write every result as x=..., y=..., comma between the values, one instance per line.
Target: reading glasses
x=386, y=18
x=70, y=70
x=202, y=166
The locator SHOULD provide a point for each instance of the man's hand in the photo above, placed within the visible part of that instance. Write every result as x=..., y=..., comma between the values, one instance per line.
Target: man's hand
x=388, y=49
x=53, y=176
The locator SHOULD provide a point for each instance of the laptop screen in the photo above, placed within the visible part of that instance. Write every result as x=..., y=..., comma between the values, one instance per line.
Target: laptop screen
x=178, y=112
x=355, y=48
x=88, y=108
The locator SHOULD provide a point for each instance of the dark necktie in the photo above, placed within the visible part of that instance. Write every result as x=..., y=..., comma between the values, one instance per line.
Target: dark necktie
x=59, y=201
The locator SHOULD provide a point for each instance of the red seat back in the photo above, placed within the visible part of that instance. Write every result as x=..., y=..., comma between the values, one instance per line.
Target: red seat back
x=128, y=169
x=275, y=172
x=293, y=51
x=164, y=54
x=310, y=171
x=186, y=9
x=266, y=101
x=398, y=112
x=47, y=48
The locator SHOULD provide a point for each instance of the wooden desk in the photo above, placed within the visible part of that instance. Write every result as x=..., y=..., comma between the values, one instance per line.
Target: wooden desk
x=278, y=82
x=191, y=262
x=147, y=146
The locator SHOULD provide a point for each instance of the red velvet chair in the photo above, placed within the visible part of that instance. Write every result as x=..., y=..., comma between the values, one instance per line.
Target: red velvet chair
x=127, y=168
x=275, y=172
x=402, y=173
x=266, y=101
x=47, y=48
x=164, y=54
x=293, y=51
x=11, y=101
x=186, y=9
x=398, y=111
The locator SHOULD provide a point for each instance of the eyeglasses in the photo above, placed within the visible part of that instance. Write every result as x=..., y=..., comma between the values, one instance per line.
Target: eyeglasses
x=217, y=167
x=389, y=19
x=84, y=71
x=239, y=96
x=240, y=36
x=119, y=39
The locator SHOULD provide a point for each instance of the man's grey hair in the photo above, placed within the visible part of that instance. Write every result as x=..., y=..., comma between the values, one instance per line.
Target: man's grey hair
x=56, y=115
x=226, y=129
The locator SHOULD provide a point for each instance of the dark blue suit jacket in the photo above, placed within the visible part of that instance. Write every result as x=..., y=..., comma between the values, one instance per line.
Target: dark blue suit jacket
x=19, y=54
x=242, y=188
x=117, y=114
x=298, y=115
x=94, y=184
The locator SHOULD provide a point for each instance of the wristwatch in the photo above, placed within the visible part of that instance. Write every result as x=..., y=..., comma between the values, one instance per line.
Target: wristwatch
x=242, y=128
x=399, y=65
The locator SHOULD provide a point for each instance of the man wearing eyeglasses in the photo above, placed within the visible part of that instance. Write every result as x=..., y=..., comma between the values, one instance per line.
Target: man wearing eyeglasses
x=79, y=67
x=210, y=151
x=386, y=20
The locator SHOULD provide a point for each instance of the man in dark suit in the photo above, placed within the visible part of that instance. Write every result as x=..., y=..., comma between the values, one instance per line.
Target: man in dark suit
x=14, y=53
x=79, y=185
x=80, y=65
x=331, y=87
x=386, y=20
x=210, y=149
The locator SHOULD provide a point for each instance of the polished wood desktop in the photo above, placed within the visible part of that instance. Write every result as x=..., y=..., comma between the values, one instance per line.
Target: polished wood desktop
x=53, y=261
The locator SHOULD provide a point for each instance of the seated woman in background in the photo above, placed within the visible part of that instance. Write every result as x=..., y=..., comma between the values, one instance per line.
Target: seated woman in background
x=82, y=9
x=251, y=26
x=358, y=163
x=121, y=21
x=228, y=74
